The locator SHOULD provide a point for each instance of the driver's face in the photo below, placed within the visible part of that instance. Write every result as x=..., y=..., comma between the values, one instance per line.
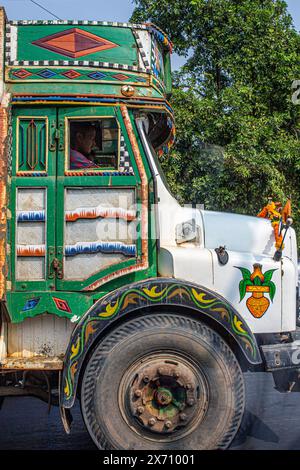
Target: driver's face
x=86, y=141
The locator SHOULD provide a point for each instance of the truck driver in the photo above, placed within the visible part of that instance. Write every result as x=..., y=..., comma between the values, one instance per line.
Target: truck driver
x=83, y=140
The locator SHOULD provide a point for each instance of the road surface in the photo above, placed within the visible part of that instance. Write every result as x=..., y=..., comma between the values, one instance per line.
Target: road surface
x=271, y=421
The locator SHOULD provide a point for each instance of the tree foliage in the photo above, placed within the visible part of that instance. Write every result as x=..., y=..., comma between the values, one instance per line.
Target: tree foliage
x=237, y=128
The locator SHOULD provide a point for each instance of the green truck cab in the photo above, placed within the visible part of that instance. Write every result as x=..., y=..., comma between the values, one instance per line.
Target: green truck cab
x=110, y=291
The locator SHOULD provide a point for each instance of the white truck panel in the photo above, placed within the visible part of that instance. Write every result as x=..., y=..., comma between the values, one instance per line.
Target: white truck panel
x=202, y=267
x=288, y=297
x=238, y=233
x=187, y=262
x=226, y=282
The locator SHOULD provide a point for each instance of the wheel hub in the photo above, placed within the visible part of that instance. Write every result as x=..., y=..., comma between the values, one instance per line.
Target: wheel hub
x=164, y=395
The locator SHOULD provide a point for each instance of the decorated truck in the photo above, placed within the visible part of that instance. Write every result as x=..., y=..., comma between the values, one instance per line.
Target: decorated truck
x=111, y=293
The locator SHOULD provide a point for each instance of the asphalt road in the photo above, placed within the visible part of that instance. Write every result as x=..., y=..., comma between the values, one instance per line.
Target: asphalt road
x=271, y=421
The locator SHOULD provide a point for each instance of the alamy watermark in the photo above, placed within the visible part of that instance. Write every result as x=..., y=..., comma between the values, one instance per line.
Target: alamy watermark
x=123, y=222
x=296, y=92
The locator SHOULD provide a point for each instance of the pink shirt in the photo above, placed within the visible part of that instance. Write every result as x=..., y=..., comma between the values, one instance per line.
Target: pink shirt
x=78, y=160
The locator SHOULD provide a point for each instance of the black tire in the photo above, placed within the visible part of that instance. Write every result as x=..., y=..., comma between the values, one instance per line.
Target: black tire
x=199, y=353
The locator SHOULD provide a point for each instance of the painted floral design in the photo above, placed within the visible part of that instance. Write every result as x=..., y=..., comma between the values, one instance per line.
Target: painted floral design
x=258, y=284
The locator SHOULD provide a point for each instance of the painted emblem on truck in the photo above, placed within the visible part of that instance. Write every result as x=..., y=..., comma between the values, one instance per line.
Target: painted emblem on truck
x=30, y=304
x=74, y=43
x=258, y=284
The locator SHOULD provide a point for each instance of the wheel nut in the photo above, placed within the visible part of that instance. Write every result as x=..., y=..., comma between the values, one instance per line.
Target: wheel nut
x=176, y=375
x=160, y=371
x=182, y=416
x=146, y=378
x=189, y=386
x=190, y=401
x=152, y=421
x=140, y=410
x=168, y=424
x=138, y=393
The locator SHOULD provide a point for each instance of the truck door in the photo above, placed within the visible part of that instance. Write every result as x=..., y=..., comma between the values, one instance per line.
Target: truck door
x=33, y=198
x=97, y=204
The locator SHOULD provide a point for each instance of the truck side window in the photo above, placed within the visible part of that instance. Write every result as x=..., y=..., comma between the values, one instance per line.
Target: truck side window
x=94, y=144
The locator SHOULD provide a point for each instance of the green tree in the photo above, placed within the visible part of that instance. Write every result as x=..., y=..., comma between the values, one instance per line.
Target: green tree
x=233, y=93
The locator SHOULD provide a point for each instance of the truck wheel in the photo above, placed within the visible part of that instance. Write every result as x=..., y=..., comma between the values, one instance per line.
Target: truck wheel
x=163, y=381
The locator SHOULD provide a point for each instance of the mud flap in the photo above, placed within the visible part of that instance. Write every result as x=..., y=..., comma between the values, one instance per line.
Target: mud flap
x=65, y=413
x=66, y=418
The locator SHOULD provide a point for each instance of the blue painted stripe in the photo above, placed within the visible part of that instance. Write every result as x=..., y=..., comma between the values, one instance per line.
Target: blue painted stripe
x=100, y=247
x=31, y=216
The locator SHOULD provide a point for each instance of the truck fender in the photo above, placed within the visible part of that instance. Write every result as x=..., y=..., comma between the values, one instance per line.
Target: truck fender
x=154, y=292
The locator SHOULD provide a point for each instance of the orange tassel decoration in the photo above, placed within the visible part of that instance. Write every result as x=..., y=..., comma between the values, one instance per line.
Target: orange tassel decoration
x=287, y=211
x=274, y=212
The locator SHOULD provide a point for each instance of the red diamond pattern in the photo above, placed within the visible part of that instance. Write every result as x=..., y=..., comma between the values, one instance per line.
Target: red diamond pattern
x=121, y=76
x=62, y=305
x=22, y=73
x=74, y=42
x=71, y=74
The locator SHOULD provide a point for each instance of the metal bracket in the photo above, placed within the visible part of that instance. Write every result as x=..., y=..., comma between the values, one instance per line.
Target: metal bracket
x=56, y=268
x=56, y=136
x=281, y=356
x=52, y=140
x=61, y=135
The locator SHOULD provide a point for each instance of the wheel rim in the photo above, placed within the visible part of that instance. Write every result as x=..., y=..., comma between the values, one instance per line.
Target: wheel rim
x=163, y=396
